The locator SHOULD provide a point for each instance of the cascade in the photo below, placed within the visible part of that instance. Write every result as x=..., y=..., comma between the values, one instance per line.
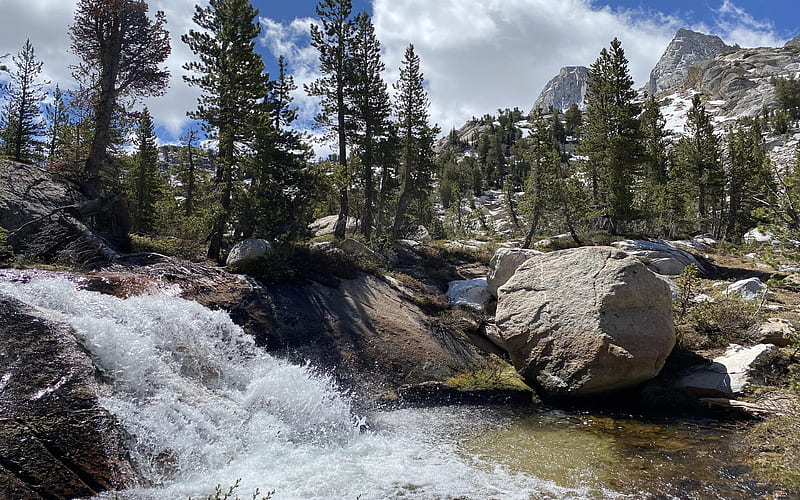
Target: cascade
x=204, y=406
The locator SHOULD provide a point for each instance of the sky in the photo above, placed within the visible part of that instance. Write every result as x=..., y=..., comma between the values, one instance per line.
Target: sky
x=477, y=56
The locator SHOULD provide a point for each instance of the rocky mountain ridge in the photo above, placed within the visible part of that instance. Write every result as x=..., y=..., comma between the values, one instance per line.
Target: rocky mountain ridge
x=566, y=88
x=686, y=48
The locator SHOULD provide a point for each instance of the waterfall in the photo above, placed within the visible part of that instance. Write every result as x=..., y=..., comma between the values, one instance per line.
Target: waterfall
x=204, y=406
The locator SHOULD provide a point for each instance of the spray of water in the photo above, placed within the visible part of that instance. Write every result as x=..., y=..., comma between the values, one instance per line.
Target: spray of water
x=204, y=406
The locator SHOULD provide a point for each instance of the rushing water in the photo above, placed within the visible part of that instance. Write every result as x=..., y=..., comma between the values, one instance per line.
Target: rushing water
x=204, y=406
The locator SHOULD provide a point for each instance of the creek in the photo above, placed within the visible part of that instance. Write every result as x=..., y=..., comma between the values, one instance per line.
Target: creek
x=204, y=406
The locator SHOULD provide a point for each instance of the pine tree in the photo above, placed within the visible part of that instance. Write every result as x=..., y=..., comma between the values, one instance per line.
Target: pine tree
x=234, y=85
x=416, y=141
x=748, y=177
x=121, y=49
x=574, y=119
x=655, y=162
x=700, y=168
x=334, y=42
x=22, y=115
x=58, y=124
x=611, y=140
x=283, y=187
x=371, y=106
x=188, y=175
x=145, y=180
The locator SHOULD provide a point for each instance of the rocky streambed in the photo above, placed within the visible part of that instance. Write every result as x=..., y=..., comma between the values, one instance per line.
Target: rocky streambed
x=187, y=401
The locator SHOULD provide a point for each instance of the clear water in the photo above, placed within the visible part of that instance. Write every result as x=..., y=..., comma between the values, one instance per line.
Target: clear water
x=204, y=407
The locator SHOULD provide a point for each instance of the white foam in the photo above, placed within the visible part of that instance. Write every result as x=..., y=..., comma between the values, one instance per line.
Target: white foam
x=204, y=406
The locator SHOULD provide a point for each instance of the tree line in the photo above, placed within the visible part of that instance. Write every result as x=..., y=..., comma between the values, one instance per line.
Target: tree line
x=265, y=181
x=615, y=167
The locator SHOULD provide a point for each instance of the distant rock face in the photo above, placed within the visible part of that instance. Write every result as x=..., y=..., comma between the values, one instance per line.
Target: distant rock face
x=794, y=42
x=565, y=89
x=738, y=83
x=685, y=49
x=585, y=321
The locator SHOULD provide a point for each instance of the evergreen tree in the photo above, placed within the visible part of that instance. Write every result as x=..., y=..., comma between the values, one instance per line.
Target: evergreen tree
x=58, y=124
x=574, y=119
x=145, y=180
x=748, y=177
x=188, y=175
x=121, y=49
x=334, y=42
x=234, y=85
x=612, y=138
x=787, y=94
x=700, y=169
x=283, y=188
x=537, y=197
x=22, y=115
x=416, y=142
x=371, y=106
x=655, y=162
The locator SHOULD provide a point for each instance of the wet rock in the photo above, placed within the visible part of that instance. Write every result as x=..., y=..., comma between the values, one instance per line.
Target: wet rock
x=585, y=321
x=56, y=441
x=247, y=252
x=371, y=332
x=439, y=393
x=504, y=264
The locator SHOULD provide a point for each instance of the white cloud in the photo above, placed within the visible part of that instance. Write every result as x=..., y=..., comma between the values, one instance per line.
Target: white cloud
x=47, y=22
x=293, y=41
x=477, y=55
x=481, y=55
x=735, y=25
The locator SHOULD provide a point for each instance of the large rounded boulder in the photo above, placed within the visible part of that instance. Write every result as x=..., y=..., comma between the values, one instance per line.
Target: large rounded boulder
x=505, y=263
x=585, y=321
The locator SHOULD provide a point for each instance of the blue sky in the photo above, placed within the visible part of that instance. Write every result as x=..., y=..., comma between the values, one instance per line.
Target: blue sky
x=477, y=55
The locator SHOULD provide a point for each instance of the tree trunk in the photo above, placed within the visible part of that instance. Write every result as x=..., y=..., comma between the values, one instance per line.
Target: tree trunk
x=369, y=188
x=221, y=218
x=532, y=229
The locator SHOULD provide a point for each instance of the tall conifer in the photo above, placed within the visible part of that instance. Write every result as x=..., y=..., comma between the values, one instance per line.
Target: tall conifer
x=232, y=78
x=611, y=141
x=334, y=41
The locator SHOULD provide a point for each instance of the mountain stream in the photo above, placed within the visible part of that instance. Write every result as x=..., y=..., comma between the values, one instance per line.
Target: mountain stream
x=204, y=406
